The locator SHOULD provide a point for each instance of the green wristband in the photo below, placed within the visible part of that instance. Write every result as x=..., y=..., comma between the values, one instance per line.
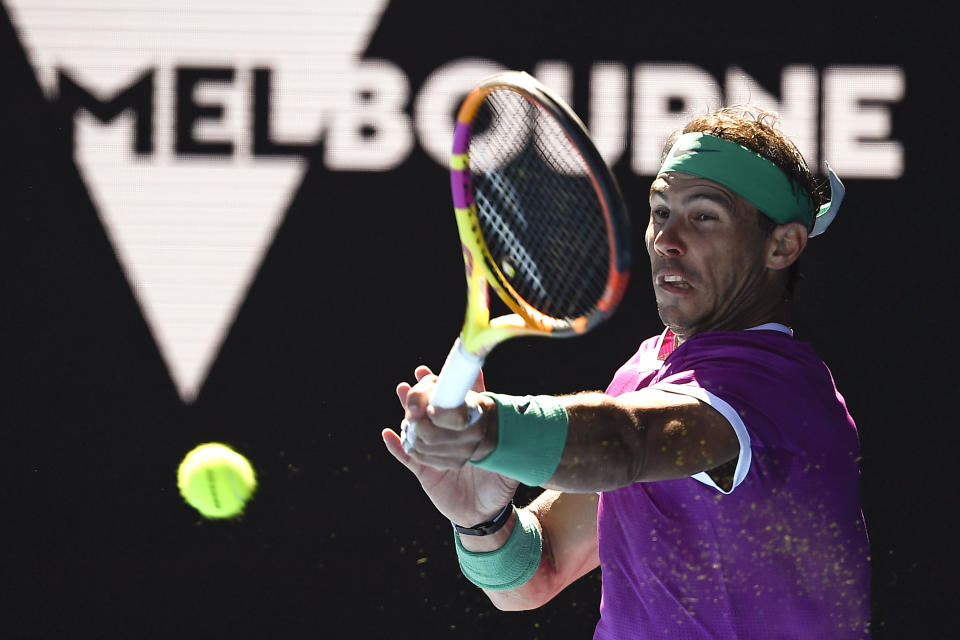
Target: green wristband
x=511, y=565
x=531, y=435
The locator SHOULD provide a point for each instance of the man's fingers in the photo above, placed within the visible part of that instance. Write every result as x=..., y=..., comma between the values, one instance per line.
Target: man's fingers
x=417, y=459
x=403, y=389
x=457, y=419
x=431, y=439
x=422, y=372
x=395, y=447
x=419, y=394
x=478, y=384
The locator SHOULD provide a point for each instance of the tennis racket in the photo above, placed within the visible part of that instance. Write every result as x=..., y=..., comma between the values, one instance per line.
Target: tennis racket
x=541, y=220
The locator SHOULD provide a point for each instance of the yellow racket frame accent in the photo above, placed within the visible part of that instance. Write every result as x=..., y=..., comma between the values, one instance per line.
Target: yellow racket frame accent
x=479, y=334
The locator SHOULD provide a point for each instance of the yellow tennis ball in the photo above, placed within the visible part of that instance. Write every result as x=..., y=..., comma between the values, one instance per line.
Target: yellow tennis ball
x=216, y=480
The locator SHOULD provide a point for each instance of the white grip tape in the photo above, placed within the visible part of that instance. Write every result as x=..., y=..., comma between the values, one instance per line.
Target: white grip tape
x=459, y=372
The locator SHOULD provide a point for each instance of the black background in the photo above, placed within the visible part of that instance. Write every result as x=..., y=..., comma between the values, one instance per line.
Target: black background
x=361, y=284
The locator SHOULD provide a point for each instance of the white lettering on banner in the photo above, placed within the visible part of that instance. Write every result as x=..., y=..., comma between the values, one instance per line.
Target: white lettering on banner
x=558, y=75
x=857, y=124
x=369, y=130
x=436, y=104
x=220, y=101
x=797, y=107
x=608, y=109
x=191, y=128
x=665, y=97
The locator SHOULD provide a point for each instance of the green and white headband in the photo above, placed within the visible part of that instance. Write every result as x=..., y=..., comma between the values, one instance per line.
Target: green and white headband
x=754, y=178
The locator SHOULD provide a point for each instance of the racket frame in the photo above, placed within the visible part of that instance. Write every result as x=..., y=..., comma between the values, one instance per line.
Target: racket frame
x=479, y=334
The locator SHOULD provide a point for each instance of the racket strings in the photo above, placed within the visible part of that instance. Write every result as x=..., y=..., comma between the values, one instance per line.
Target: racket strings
x=539, y=211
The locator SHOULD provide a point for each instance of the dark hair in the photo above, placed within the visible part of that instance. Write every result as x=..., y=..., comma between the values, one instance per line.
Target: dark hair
x=757, y=130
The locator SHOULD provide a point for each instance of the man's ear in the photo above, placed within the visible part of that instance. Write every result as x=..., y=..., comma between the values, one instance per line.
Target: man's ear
x=786, y=244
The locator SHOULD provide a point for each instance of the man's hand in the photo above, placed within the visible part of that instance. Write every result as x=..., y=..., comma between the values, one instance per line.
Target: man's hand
x=447, y=438
x=445, y=443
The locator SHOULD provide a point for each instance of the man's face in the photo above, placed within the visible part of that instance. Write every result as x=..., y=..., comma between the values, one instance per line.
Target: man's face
x=707, y=256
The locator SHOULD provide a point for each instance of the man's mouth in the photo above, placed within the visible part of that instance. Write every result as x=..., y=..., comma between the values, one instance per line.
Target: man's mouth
x=674, y=282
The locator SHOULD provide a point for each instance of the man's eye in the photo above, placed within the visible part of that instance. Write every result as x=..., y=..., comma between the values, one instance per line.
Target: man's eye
x=661, y=213
x=703, y=217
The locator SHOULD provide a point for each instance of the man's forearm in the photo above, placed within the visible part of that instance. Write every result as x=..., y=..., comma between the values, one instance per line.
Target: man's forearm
x=607, y=442
x=601, y=445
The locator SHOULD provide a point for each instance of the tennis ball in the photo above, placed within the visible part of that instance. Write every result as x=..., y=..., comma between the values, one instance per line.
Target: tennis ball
x=216, y=480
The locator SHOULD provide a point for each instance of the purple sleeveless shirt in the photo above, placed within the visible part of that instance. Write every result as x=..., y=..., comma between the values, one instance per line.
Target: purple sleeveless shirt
x=782, y=555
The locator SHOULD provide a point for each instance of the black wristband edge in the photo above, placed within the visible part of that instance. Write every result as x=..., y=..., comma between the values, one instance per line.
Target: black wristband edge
x=488, y=527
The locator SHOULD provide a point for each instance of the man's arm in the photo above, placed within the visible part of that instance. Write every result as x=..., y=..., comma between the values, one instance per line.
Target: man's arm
x=641, y=436
x=568, y=526
x=602, y=443
x=611, y=442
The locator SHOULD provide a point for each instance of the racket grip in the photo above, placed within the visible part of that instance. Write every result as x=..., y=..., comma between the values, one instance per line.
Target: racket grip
x=456, y=378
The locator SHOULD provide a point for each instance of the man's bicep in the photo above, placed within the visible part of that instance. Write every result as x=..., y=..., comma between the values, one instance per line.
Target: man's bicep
x=683, y=434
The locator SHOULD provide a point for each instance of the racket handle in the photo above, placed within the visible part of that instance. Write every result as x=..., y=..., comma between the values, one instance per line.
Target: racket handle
x=456, y=378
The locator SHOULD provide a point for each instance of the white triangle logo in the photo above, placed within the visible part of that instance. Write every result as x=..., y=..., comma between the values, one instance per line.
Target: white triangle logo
x=191, y=229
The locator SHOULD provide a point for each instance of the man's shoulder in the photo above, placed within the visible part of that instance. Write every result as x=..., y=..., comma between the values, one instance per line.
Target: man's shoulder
x=753, y=355
x=772, y=341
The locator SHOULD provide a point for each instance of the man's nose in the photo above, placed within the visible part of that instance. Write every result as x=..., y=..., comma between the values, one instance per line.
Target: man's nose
x=668, y=240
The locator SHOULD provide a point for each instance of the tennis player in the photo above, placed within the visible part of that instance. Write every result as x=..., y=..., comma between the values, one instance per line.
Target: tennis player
x=715, y=482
